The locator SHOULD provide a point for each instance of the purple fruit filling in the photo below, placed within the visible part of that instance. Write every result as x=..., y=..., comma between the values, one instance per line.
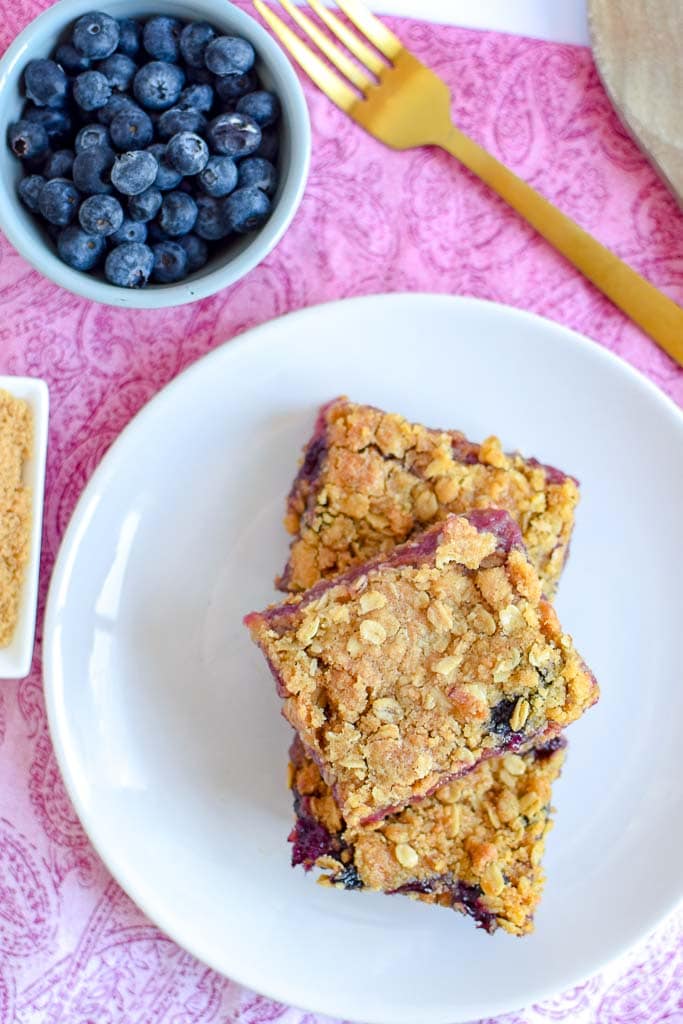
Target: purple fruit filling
x=463, y=896
x=310, y=840
x=546, y=750
x=553, y=475
x=465, y=451
x=314, y=453
x=425, y=887
x=500, y=524
x=468, y=897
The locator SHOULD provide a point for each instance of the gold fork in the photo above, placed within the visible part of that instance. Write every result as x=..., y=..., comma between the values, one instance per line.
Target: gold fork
x=404, y=104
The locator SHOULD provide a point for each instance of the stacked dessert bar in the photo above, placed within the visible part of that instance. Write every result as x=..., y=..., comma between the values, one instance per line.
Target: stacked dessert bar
x=421, y=663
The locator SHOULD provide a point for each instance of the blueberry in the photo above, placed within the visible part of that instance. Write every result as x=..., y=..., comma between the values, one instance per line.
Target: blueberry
x=46, y=83
x=130, y=231
x=262, y=106
x=229, y=55
x=160, y=37
x=131, y=129
x=101, y=215
x=270, y=143
x=219, y=177
x=129, y=265
x=91, y=90
x=170, y=263
x=500, y=718
x=197, y=252
x=167, y=176
x=231, y=87
x=157, y=85
x=211, y=222
x=27, y=139
x=70, y=59
x=145, y=205
x=178, y=214
x=177, y=120
x=194, y=39
x=79, y=249
x=130, y=36
x=246, y=209
x=96, y=35
x=58, y=201
x=29, y=190
x=196, y=97
x=349, y=878
x=259, y=172
x=187, y=152
x=92, y=169
x=118, y=70
x=91, y=135
x=133, y=172
x=233, y=135
x=114, y=106
x=57, y=123
x=59, y=164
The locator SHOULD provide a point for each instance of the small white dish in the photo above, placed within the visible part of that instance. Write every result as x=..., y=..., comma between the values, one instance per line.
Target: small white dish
x=15, y=660
x=164, y=716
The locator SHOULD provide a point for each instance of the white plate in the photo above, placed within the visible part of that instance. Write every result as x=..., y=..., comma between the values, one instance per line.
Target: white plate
x=163, y=714
x=15, y=659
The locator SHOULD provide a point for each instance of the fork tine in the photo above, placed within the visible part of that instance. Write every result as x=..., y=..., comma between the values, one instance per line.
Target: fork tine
x=371, y=27
x=333, y=53
x=328, y=81
x=350, y=40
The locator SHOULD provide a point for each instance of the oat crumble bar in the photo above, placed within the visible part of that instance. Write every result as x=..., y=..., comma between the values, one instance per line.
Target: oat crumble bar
x=475, y=845
x=370, y=480
x=404, y=673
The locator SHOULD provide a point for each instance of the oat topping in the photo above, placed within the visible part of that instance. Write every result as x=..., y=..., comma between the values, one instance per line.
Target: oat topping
x=399, y=700
x=370, y=480
x=475, y=845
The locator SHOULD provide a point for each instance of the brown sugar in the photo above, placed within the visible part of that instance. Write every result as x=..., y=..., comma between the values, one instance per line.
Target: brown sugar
x=16, y=443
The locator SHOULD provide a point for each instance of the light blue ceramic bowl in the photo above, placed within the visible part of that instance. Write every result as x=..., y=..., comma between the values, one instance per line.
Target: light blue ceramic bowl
x=238, y=257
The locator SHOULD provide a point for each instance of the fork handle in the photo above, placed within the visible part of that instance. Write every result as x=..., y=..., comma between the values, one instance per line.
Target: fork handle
x=656, y=314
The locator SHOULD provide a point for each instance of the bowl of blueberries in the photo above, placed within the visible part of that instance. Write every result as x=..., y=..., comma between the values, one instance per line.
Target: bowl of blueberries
x=154, y=153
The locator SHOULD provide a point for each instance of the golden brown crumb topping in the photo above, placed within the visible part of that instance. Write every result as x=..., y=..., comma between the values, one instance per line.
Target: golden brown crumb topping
x=485, y=832
x=406, y=676
x=372, y=479
x=16, y=441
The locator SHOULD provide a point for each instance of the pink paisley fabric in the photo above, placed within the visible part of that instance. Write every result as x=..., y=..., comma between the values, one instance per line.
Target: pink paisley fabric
x=73, y=948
